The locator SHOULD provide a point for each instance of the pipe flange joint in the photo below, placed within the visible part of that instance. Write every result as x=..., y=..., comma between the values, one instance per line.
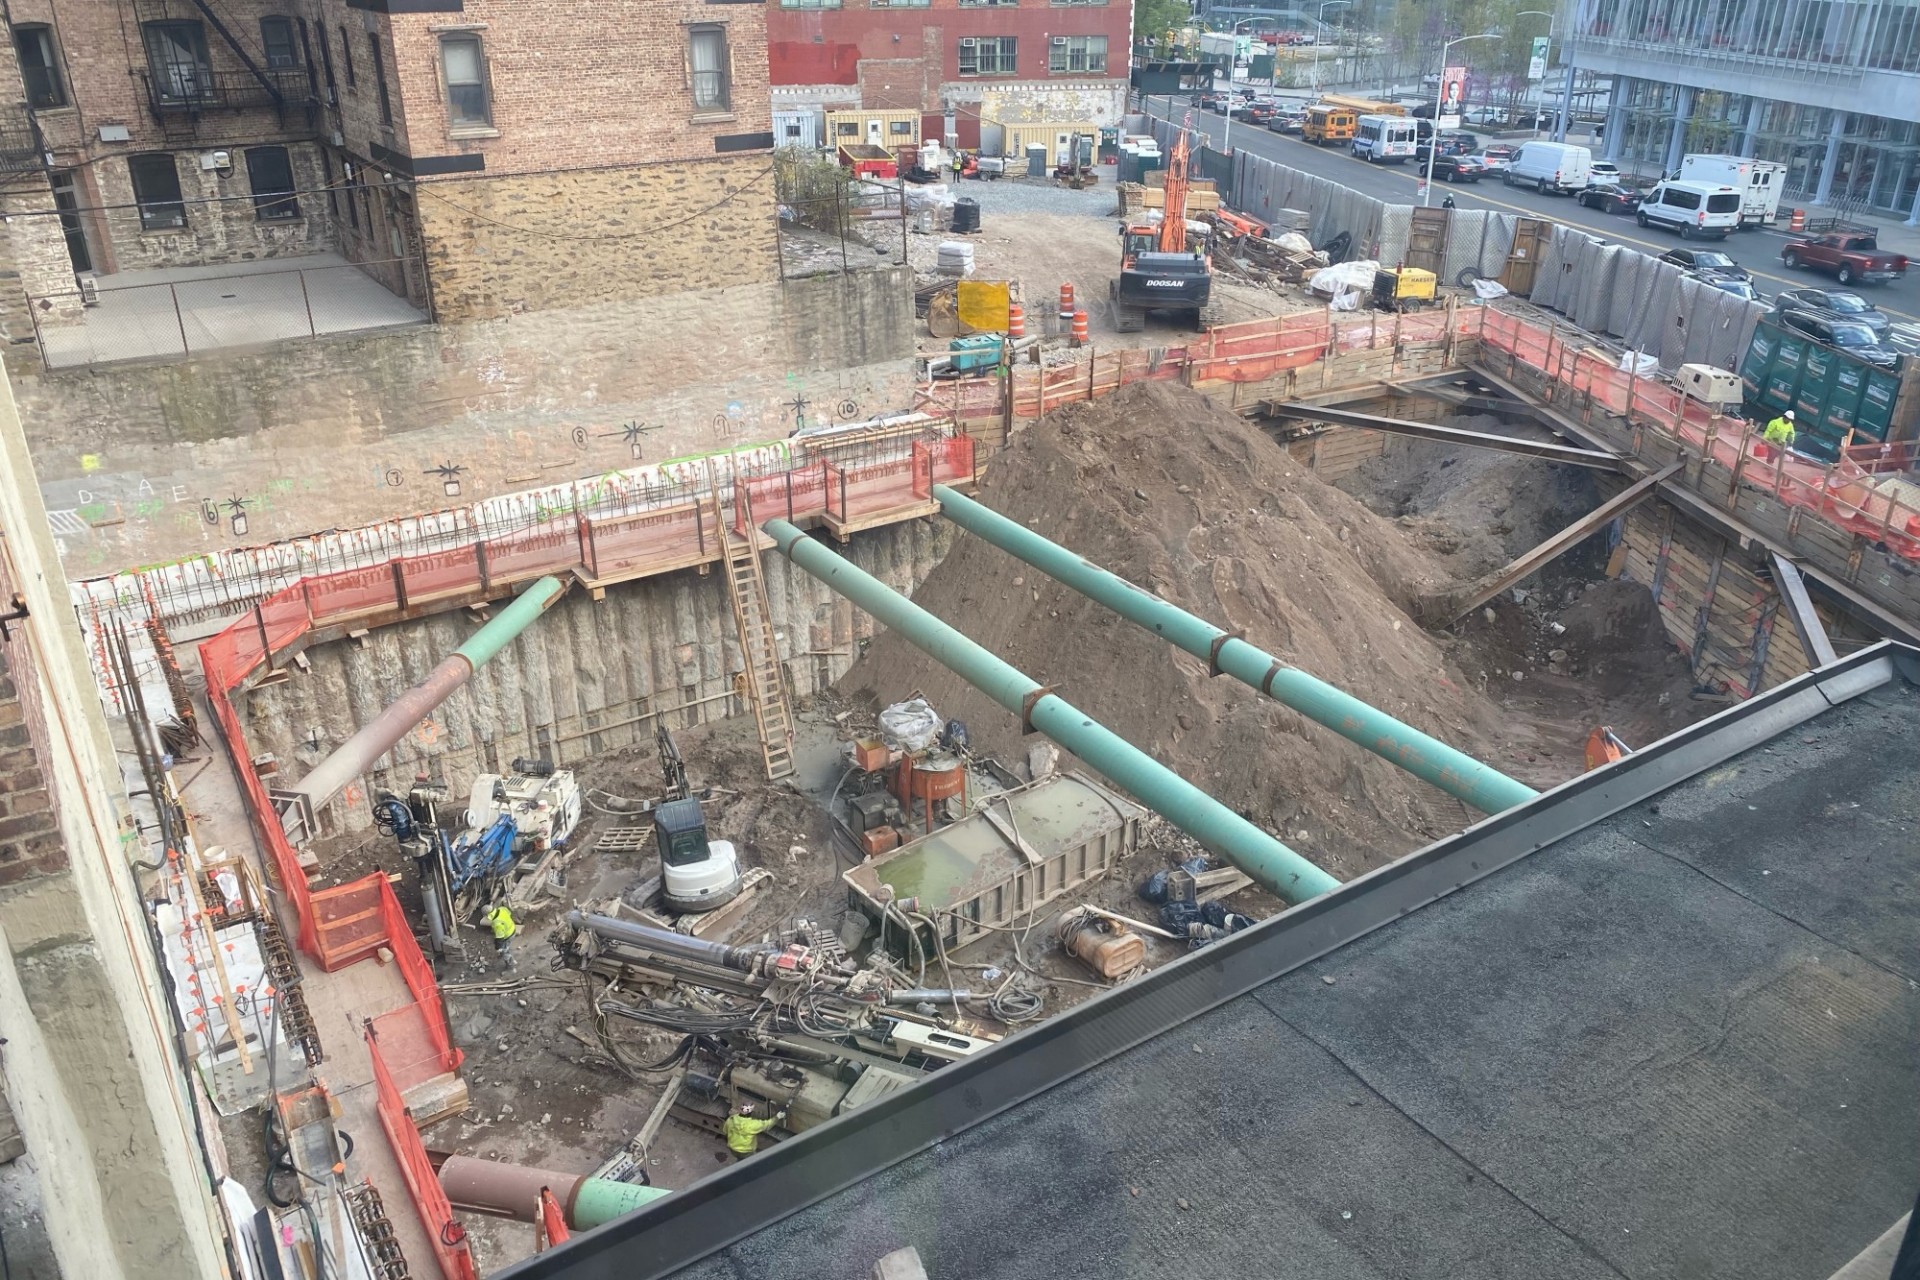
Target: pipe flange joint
x=1213, y=650
x=1027, y=705
x=1266, y=682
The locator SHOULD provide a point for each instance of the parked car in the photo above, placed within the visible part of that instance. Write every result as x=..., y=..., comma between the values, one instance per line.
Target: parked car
x=1452, y=143
x=1549, y=167
x=1847, y=256
x=1609, y=197
x=1710, y=262
x=1459, y=169
x=1727, y=284
x=1287, y=121
x=1854, y=339
x=1696, y=210
x=1603, y=171
x=1835, y=304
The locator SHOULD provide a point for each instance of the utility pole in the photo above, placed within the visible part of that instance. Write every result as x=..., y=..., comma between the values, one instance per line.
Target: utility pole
x=1439, y=105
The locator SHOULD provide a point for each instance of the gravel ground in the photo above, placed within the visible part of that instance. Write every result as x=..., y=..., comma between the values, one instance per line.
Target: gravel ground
x=1039, y=195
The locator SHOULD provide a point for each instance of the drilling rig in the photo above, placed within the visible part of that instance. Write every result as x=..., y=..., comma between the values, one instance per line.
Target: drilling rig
x=1164, y=267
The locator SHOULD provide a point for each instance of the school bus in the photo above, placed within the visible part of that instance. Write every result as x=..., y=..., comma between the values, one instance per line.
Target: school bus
x=1362, y=106
x=1326, y=124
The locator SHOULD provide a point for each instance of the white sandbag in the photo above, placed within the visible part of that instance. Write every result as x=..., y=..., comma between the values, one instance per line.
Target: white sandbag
x=910, y=726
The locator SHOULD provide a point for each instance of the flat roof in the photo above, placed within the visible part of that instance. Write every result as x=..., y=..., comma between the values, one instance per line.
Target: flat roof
x=1056, y=814
x=1661, y=1021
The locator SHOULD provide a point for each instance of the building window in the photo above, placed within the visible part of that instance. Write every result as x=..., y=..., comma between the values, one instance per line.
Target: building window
x=989, y=4
x=1059, y=3
x=987, y=56
x=707, y=64
x=809, y=4
x=177, y=60
x=1071, y=54
x=39, y=67
x=156, y=189
x=270, y=174
x=900, y=129
x=346, y=57
x=276, y=38
x=380, y=77
x=846, y=129
x=466, y=75
x=900, y=4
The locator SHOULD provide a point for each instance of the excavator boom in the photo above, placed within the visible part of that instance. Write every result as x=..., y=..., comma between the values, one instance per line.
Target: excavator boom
x=1173, y=216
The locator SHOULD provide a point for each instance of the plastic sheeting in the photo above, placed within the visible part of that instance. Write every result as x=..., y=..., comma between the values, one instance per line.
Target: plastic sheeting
x=1649, y=305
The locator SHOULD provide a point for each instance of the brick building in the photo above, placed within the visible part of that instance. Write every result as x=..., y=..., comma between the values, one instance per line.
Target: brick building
x=478, y=157
x=994, y=73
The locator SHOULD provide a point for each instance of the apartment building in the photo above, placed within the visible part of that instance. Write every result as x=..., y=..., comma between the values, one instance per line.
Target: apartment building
x=1829, y=88
x=478, y=157
x=987, y=72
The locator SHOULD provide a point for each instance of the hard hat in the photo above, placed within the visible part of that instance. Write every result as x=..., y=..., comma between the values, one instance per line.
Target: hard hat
x=1789, y=415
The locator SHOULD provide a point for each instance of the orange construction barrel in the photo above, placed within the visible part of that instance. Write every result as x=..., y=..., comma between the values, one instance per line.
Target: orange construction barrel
x=1080, y=328
x=1066, y=302
x=1016, y=320
x=1799, y=220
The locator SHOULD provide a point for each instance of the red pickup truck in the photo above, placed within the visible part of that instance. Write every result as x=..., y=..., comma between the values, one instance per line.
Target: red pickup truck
x=1853, y=256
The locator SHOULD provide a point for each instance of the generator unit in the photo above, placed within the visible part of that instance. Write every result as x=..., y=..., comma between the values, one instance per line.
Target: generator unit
x=1397, y=288
x=542, y=801
x=1717, y=387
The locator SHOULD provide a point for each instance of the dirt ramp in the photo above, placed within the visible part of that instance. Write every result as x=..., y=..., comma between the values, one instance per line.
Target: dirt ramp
x=1161, y=487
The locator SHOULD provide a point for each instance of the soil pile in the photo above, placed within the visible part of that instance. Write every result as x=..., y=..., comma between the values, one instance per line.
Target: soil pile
x=1202, y=508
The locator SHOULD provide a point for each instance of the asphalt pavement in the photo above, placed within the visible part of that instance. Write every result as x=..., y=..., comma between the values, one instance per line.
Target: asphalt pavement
x=1758, y=251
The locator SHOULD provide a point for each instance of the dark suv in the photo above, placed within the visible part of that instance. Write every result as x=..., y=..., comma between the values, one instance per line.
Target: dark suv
x=1854, y=339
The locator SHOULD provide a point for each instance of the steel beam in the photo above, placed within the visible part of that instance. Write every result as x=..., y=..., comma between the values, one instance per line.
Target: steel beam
x=1273, y=866
x=1814, y=641
x=1454, y=772
x=1566, y=453
x=1459, y=606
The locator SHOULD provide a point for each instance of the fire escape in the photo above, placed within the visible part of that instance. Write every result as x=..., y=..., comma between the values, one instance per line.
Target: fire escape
x=182, y=88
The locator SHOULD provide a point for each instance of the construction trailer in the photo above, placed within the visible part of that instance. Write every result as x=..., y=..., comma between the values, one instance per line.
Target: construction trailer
x=889, y=129
x=1011, y=138
x=1012, y=856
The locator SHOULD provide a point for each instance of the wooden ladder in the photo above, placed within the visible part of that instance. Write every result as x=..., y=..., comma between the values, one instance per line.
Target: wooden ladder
x=753, y=616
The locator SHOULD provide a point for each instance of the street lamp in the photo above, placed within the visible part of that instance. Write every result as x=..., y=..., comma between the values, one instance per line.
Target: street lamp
x=1318, y=33
x=1439, y=103
x=1542, y=13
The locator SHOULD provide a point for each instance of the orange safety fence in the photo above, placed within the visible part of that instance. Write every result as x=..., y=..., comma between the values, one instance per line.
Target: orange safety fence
x=1846, y=493
x=444, y=1231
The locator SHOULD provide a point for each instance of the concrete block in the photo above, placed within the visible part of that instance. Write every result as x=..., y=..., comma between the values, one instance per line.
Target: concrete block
x=901, y=1264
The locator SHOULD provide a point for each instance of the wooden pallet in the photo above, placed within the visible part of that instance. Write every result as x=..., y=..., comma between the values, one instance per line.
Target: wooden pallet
x=766, y=685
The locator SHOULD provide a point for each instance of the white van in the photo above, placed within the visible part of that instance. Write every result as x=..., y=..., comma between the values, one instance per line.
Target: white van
x=1556, y=167
x=1759, y=183
x=1705, y=210
x=1385, y=139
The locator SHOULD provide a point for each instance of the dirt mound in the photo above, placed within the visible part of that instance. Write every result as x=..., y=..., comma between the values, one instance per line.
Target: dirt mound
x=1614, y=631
x=1199, y=506
x=1476, y=508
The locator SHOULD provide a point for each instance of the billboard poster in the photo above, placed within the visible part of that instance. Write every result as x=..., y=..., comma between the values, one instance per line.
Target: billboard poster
x=1453, y=91
x=1537, y=63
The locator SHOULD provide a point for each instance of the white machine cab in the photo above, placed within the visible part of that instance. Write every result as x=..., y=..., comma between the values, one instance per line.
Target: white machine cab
x=696, y=874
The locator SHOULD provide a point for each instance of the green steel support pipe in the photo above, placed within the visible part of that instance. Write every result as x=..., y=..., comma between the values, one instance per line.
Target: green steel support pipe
x=1454, y=772
x=374, y=739
x=596, y=1201
x=1272, y=865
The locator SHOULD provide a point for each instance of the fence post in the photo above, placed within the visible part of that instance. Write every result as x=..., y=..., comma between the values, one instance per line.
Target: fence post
x=266, y=649
x=179, y=323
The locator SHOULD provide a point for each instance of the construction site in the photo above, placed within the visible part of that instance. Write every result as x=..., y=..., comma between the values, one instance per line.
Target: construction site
x=517, y=866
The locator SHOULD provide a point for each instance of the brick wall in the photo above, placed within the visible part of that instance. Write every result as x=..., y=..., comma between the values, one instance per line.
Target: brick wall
x=500, y=246
x=223, y=224
x=30, y=841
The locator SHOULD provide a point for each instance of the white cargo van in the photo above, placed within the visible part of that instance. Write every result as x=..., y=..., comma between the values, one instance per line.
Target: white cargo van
x=1707, y=210
x=1757, y=181
x=1556, y=167
x=1384, y=139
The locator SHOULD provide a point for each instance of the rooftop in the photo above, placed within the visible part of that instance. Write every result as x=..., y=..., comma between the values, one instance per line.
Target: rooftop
x=174, y=312
x=1659, y=1022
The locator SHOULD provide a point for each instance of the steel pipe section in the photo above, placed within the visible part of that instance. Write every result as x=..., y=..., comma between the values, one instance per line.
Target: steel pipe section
x=1454, y=772
x=666, y=942
x=513, y=1191
x=1272, y=865
x=377, y=737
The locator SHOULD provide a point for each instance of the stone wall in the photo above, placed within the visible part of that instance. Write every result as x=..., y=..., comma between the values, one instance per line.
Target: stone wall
x=222, y=223
x=344, y=431
x=589, y=677
x=502, y=246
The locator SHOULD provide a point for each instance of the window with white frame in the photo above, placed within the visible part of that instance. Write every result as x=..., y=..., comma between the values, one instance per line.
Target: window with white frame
x=988, y=55
x=464, y=68
x=1068, y=55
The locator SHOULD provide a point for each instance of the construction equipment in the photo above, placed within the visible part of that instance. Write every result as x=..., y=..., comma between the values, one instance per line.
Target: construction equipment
x=1238, y=225
x=696, y=874
x=1076, y=166
x=1604, y=747
x=1165, y=266
x=1398, y=288
x=541, y=802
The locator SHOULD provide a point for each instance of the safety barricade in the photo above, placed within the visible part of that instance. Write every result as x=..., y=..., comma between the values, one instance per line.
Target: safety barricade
x=444, y=1231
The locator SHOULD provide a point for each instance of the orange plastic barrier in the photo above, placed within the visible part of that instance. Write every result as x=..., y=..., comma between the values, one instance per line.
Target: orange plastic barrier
x=444, y=1231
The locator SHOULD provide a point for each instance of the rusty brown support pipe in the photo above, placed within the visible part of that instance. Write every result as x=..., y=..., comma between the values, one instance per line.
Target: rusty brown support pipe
x=513, y=1191
x=357, y=754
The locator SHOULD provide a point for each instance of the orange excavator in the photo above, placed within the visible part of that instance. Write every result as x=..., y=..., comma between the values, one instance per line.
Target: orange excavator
x=1164, y=266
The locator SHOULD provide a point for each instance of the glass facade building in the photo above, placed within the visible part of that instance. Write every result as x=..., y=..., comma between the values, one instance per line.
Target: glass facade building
x=1829, y=88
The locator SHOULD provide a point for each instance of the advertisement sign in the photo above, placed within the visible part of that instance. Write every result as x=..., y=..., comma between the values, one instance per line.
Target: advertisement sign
x=1453, y=91
x=1537, y=64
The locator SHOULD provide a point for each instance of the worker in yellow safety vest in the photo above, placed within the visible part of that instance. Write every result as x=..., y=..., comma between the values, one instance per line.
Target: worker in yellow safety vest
x=743, y=1130
x=1779, y=432
x=504, y=927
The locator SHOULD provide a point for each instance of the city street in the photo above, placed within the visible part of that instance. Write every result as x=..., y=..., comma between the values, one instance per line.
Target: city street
x=1758, y=251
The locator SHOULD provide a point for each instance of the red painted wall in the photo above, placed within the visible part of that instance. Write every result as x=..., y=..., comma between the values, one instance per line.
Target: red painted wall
x=824, y=46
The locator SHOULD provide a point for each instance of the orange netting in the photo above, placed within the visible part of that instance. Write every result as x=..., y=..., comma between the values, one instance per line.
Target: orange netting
x=444, y=1232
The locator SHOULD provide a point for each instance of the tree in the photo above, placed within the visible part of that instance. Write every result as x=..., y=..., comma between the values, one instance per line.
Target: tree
x=1152, y=19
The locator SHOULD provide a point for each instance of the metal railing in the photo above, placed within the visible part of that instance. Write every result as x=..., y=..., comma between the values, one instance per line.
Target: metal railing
x=187, y=317
x=191, y=93
x=21, y=148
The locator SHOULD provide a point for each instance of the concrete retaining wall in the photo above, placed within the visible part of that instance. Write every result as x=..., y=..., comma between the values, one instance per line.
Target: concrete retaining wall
x=588, y=678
